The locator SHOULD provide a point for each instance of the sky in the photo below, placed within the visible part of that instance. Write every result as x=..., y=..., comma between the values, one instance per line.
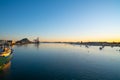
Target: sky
x=60, y=20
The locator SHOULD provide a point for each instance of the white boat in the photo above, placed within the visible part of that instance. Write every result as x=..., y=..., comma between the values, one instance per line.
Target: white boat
x=6, y=52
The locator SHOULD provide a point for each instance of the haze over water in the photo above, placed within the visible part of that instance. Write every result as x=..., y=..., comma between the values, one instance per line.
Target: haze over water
x=64, y=62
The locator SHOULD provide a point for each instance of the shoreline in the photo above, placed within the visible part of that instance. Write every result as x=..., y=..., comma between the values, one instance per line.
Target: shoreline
x=103, y=44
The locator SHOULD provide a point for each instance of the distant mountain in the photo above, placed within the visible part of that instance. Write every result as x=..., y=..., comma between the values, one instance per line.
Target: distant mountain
x=23, y=41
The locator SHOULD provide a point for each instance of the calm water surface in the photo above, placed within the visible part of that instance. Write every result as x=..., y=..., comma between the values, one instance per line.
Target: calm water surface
x=63, y=62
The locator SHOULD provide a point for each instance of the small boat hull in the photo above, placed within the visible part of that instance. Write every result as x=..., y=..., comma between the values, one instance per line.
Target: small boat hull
x=7, y=52
x=4, y=60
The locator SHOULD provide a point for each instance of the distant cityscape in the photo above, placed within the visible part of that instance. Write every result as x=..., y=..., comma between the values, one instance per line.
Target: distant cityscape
x=37, y=41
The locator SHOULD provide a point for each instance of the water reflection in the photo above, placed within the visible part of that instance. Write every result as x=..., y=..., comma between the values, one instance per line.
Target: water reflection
x=5, y=70
x=5, y=63
x=63, y=62
x=86, y=46
x=20, y=45
x=37, y=45
x=118, y=50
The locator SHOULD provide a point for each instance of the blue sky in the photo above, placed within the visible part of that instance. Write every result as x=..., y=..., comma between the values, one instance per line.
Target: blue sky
x=60, y=20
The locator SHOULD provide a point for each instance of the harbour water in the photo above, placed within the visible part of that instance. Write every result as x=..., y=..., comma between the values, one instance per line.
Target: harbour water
x=53, y=61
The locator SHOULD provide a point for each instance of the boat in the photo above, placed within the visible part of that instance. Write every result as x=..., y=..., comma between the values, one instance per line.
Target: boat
x=5, y=52
x=5, y=57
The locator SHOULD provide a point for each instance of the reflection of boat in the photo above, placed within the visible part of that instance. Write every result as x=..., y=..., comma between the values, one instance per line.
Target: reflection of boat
x=5, y=67
x=5, y=70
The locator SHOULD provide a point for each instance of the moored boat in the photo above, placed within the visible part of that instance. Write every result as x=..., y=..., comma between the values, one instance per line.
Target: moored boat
x=6, y=52
x=5, y=57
